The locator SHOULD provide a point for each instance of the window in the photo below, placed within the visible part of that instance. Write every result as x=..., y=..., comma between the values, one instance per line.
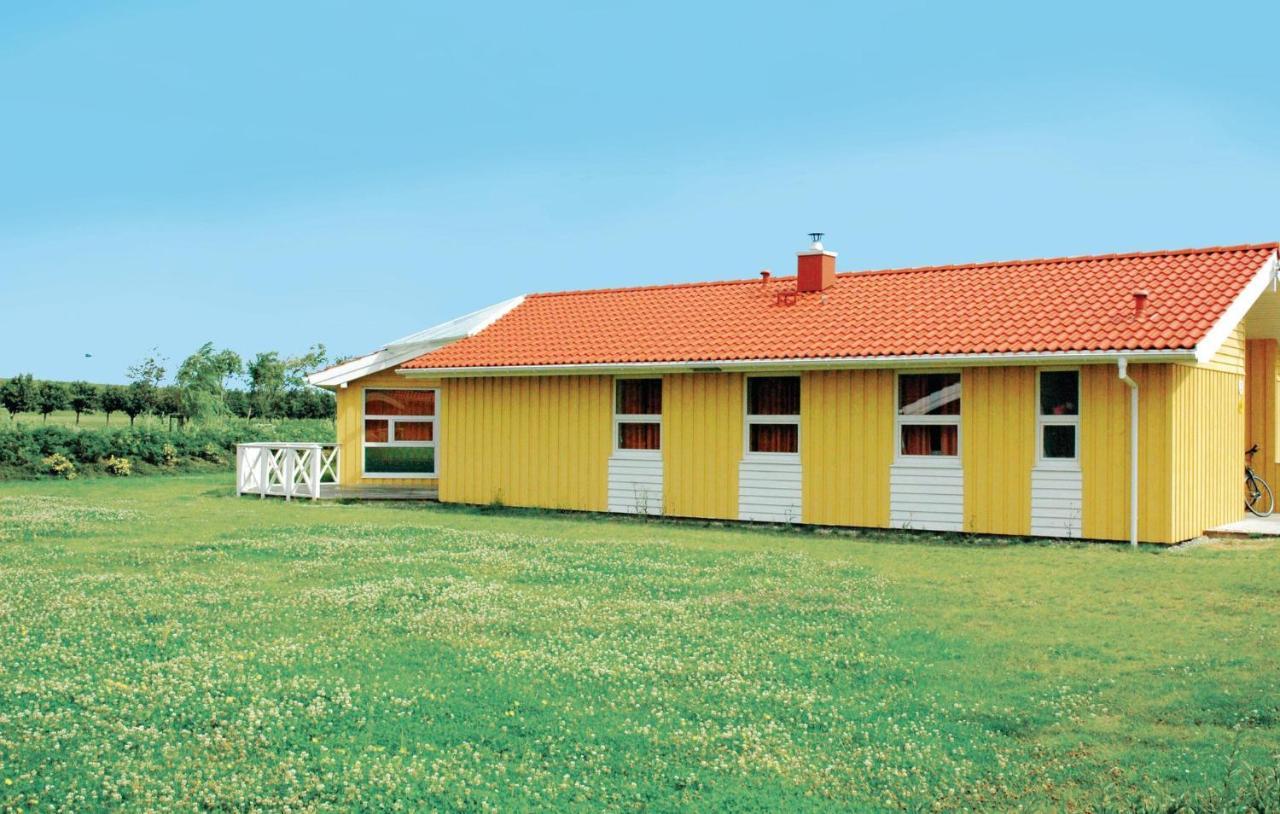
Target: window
x=773, y=414
x=1058, y=415
x=400, y=433
x=929, y=415
x=637, y=415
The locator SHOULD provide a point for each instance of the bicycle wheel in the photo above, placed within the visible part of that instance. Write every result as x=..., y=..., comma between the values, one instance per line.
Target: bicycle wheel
x=1257, y=496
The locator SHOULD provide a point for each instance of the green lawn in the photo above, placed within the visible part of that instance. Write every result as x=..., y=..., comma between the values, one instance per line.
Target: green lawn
x=67, y=418
x=167, y=645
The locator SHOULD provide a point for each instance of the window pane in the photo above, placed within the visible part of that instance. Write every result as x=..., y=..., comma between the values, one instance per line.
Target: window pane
x=400, y=402
x=1059, y=441
x=395, y=460
x=375, y=430
x=1060, y=392
x=929, y=394
x=775, y=438
x=639, y=436
x=930, y=439
x=773, y=395
x=415, y=431
x=640, y=396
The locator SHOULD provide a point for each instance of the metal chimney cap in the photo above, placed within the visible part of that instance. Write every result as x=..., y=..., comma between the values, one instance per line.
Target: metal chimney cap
x=816, y=237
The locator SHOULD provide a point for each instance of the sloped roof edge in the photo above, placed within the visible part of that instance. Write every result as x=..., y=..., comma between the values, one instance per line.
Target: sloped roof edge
x=412, y=346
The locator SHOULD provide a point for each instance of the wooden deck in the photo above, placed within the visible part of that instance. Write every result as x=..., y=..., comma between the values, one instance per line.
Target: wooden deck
x=333, y=491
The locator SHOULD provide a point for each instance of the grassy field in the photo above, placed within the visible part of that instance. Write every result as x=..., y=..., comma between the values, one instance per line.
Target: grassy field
x=168, y=645
x=67, y=418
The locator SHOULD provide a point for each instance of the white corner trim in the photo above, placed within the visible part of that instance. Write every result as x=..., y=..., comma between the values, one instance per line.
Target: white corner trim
x=1212, y=342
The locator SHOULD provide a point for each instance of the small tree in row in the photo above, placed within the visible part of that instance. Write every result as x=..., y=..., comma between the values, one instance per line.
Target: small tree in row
x=18, y=395
x=83, y=398
x=51, y=397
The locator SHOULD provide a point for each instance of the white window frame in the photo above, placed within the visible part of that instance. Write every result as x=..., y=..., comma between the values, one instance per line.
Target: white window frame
x=900, y=421
x=637, y=418
x=391, y=433
x=1043, y=421
x=749, y=419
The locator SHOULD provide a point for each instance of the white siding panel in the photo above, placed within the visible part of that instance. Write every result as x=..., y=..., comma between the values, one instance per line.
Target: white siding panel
x=769, y=491
x=635, y=484
x=926, y=497
x=1056, y=502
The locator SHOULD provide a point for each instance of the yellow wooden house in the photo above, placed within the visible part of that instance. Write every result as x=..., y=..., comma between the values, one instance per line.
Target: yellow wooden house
x=1107, y=397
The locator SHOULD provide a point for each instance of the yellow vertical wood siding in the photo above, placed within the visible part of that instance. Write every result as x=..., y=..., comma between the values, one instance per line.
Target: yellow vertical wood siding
x=1260, y=406
x=351, y=432
x=998, y=448
x=846, y=434
x=1208, y=446
x=1104, y=452
x=702, y=442
x=1230, y=358
x=527, y=441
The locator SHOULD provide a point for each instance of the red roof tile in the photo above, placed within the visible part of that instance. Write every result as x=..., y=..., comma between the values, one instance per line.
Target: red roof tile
x=1032, y=306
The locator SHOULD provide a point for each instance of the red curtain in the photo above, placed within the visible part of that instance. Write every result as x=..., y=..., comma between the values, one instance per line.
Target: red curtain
x=414, y=430
x=400, y=402
x=930, y=439
x=775, y=438
x=375, y=430
x=773, y=395
x=640, y=396
x=917, y=386
x=639, y=436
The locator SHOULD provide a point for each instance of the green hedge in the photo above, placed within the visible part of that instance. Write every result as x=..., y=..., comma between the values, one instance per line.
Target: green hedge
x=23, y=447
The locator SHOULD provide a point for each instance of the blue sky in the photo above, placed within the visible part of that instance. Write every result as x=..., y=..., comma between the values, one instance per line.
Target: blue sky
x=269, y=175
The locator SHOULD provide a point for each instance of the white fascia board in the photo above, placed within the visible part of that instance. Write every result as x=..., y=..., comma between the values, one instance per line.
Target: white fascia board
x=1212, y=342
x=833, y=363
x=414, y=345
x=365, y=365
x=459, y=327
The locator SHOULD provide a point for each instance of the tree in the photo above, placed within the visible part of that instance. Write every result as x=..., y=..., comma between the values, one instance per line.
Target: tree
x=50, y=397
x=114, y=399
x=169, y=403
x=266, y=383
x=202, y=381
x=84, y=398
x=18, y=395
x=298, y=367
x=139, y=398
x=144, y=379
x=274, y=380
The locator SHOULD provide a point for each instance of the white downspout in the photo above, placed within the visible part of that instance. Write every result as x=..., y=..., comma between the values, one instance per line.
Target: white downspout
x=1122, y=365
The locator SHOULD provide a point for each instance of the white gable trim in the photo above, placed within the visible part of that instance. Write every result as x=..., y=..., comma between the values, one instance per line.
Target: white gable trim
x=414, y=345
x=1213, y=341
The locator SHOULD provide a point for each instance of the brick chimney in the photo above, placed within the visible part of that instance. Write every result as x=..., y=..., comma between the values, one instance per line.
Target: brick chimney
x=816, y=268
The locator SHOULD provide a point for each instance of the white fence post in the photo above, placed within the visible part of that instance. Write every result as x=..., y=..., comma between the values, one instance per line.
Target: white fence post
x=239, y=470
x=290, y=460
x=264, y=465
x=317, y=453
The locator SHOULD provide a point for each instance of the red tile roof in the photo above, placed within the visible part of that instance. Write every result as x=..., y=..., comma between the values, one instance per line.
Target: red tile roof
x=1032, y=306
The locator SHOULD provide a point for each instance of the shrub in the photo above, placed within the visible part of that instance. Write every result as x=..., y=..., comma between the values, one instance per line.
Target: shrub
x=23, y=447
x=59, y=466
x=120, y=467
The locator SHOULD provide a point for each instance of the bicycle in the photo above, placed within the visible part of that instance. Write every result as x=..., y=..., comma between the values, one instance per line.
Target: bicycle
x=1258, y=498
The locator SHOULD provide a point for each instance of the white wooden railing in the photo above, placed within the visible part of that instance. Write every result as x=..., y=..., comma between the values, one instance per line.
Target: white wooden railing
x=286, y=470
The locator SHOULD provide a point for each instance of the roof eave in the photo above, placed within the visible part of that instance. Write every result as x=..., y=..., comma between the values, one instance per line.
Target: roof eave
x=1135, y=356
